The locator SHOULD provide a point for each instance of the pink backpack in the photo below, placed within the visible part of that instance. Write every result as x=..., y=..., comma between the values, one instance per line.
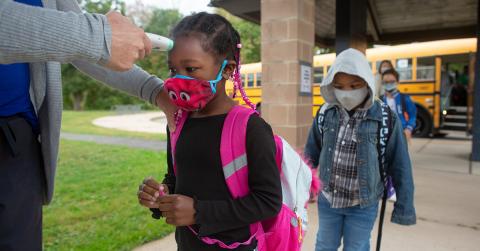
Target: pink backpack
x=285, y=231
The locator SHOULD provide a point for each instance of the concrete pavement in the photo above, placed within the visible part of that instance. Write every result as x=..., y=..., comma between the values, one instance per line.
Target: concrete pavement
x=447, y=201
x=151, y=122
x=447, y=197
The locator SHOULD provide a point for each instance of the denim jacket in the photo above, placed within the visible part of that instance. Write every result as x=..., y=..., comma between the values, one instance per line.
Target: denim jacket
x=371, y=186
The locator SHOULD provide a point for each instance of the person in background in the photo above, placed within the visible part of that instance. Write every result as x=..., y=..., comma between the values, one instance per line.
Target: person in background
x=382, y=67
x=344, y=146
x=401, y=103
x=35, y=37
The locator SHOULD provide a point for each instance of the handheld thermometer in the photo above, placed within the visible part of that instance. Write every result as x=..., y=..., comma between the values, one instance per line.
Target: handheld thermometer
x=159, y=42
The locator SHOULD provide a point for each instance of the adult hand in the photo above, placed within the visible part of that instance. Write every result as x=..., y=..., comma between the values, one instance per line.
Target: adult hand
x=129, y=43
x=177, y=209
x=164, y=103
x=150, y=191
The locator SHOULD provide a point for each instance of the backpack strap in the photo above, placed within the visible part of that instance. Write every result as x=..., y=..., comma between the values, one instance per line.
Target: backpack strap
x=384, y=131
x=233, y=150
x=233, y=153
x=403, y=100
x=321, y=119
x=180, y=117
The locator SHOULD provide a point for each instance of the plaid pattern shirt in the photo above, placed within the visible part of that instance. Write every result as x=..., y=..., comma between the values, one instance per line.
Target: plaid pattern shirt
x=343, y=189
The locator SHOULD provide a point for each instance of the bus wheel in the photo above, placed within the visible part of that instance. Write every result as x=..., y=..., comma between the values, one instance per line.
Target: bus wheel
x=423, y=125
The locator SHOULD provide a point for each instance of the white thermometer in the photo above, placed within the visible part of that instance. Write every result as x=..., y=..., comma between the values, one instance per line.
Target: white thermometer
x=160, y=43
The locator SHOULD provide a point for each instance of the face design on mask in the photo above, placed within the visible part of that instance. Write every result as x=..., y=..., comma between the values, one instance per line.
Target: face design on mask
x=389, y=82
x=191, y=67
x=350, y=91
x=192, y=94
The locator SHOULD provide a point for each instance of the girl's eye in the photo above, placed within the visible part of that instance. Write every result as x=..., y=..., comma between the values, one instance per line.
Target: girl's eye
x=184, y=96
x=172, y=72
x=190, y=69
x=172, y=95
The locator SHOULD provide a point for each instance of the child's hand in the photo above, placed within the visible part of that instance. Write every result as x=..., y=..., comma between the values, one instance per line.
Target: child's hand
x=177, y=209
x=150, y=191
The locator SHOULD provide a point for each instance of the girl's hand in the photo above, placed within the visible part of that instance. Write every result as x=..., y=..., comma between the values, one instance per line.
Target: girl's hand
x=150, y=191
x=177, y=209
x=408, y=135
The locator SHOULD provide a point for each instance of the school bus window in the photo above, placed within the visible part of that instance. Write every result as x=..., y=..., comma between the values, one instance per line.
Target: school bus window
x=426, y=68
x=259, y=79
x=317, y=75
x=250, y=80
x=243, y=79
x=404, y=68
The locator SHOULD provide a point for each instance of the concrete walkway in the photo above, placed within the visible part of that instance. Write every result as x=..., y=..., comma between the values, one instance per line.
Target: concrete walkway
x=119, y=141
x=447, y=197
x=447, y=201
x=151, y=122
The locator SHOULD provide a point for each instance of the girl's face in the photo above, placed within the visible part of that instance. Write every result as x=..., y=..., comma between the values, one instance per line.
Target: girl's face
x=189, y=58
x=347, y=82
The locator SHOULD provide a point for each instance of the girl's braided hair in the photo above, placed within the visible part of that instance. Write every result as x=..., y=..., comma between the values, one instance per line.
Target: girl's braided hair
x=218, y=37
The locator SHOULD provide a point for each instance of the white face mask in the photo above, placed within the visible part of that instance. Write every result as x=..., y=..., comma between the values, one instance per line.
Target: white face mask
x=352, y=98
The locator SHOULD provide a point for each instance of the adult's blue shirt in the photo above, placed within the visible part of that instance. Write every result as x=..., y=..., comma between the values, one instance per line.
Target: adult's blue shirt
x=15, y=85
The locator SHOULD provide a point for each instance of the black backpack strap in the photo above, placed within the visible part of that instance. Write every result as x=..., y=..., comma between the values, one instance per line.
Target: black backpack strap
x=321, y=119
x=385, y=129
x=404, y=102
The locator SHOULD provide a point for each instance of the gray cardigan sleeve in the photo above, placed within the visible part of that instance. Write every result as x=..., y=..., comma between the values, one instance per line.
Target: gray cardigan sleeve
x=32, y=34
x=135, y=82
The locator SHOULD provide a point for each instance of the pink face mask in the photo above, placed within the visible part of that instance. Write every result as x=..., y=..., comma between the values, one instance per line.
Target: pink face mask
x=192, y=94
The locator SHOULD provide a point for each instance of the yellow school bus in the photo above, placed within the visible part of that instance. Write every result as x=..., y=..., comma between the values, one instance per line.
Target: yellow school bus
x=428, y=73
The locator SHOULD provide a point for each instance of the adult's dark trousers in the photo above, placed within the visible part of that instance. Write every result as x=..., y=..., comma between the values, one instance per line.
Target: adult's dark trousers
x=22, y=185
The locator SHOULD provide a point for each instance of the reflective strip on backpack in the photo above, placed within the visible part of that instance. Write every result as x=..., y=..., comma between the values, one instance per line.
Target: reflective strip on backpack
x=235, y=166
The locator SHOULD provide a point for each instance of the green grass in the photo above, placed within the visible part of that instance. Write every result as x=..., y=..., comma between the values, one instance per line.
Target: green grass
x=81, y=122
x=95, y=205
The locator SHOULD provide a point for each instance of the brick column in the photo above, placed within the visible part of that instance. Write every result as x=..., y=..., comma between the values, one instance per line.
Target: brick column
x=287, y=40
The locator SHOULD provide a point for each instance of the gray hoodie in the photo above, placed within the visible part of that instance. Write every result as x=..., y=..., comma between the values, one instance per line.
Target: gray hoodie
x=353, y=62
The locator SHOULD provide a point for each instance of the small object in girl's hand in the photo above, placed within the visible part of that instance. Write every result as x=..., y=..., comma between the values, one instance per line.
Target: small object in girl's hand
x=160, y=190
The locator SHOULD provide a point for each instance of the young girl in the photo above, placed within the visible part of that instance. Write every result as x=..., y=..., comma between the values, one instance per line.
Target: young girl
x=205, y=55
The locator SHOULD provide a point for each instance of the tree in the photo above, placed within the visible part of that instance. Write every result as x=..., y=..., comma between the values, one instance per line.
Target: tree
x=78, y=88
x=250, y=35
x=82, y=92
x=161, y=22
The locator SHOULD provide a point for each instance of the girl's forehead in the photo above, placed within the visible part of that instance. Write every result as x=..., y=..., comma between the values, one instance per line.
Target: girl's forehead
x=189, y=48
x=344, y=78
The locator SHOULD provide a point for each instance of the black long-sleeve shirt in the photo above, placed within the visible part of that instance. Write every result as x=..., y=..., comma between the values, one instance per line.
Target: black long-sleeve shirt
x=200, y=175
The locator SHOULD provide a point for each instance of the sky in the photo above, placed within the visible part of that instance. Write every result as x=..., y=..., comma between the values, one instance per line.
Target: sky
x=185, y=7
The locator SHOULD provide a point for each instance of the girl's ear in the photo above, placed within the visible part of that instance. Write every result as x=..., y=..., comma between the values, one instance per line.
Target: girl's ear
x=229, y=69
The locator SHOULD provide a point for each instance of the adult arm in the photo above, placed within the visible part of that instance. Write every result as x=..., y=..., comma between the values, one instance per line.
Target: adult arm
x=33, y=34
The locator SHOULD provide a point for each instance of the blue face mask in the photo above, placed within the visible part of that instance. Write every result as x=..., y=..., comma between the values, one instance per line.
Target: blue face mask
x=390, y=86
x=213, y=83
